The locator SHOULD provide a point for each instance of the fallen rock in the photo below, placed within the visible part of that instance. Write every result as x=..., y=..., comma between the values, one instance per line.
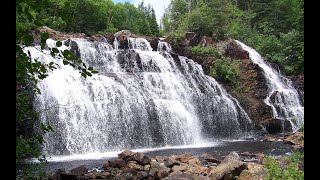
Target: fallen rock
x=141, y=158
x=90, y=175
x=179, y=168
x=81, y=170
x=142, y=175
x=126, y=155
x=68, y=176
x=117, y=163
x=134, y=165
x=170, y=162
x=184, y=158
x=227, y=166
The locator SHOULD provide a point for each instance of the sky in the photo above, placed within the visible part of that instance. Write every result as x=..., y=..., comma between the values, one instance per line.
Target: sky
x=158, y=5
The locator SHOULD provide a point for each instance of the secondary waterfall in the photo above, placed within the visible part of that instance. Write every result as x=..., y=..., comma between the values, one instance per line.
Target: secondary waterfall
x=139, y=99
x=282, y=97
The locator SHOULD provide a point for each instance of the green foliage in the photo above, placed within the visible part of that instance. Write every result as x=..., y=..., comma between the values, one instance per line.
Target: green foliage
x=99, y=16
x=209, y=18
x=226, y=70
x=205, y=51
x=288, y=170
x=274, y=28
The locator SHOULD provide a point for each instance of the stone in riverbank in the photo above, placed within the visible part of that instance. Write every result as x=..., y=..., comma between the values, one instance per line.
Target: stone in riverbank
x=230, y=164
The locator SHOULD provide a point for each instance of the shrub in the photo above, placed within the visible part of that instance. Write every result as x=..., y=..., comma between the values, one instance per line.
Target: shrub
x=205, y=51
x=288, y=170
x=226, y=70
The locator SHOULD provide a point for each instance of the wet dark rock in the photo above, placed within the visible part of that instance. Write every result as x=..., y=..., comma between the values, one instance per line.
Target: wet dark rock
x=234, y=51
x=141, y=158
x=170, y=162
x=129, y=170
x=154, y=43
x=142, y=175
x=126, y=155
x=68, y=176
x=117, y=163
x=79, y=170
x=278, y=126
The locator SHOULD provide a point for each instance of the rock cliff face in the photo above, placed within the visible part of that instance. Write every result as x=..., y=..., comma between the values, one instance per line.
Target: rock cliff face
x=251, y=91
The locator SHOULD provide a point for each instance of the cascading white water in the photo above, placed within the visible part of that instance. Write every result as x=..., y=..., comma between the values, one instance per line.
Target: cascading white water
x=139, y=99
x=164, y=46
x=282, y=96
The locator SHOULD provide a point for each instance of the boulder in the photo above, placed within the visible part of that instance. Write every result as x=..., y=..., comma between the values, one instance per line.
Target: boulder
x=160, y=159
x=103, y=175
x=91, y=176
x=81, y=170
x=141, y=158
x=179, y=168
x=122, y=37
x=170, y=162
x=126, y=155
x=134, y=165
x=184, y=158
x=142, y=175
x=122, y=33
x=129, y=170
x=117, y=163
x=278, y=126
x=161, y=173
x=234, y=51
x=154, y=43
x=69, y=176
x=230, y=164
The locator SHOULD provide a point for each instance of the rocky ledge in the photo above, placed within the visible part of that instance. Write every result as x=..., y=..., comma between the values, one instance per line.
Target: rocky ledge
x=135, y=165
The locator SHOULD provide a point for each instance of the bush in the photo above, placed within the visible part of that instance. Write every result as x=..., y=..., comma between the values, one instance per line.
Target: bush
x=288, y=170
x=226, y=70
x=205, y=51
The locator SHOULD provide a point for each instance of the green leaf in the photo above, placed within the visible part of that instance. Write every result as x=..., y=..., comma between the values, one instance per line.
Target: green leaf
x=27, y=40
x=89, y=74
x=65, y=62
x=90, y=68
x=67, y=4
x=44, y=36
x=94, y=72
x=38, y=23
x=58, y=43
x=43, y=69
x=30, y=17
x=55, y=50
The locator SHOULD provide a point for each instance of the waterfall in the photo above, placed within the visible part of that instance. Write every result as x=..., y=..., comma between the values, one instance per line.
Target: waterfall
x=139, y=99
x=282, y=97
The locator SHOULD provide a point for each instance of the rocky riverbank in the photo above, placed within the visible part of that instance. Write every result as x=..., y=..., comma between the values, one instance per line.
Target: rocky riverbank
x=136, y=165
